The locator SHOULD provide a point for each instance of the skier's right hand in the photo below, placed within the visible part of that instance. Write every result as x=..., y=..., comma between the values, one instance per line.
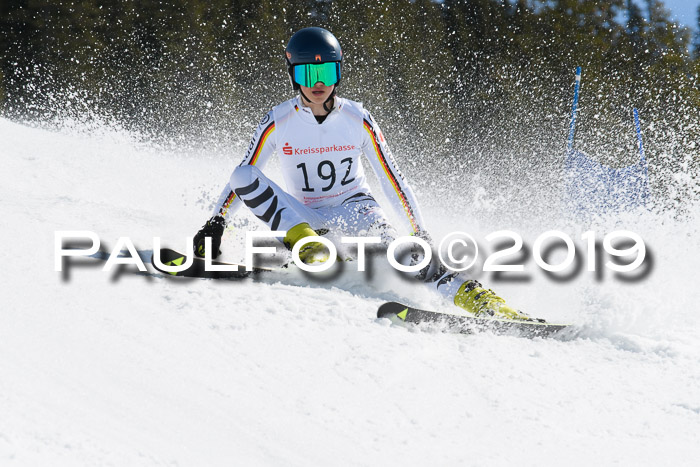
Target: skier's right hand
x=214, y=228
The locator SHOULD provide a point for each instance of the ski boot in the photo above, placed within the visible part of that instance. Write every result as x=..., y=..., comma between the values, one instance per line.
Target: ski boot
x=311, y=252
x=472, y=297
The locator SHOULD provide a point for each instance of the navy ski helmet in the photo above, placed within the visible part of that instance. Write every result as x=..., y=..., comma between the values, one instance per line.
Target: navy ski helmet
x=320, y=49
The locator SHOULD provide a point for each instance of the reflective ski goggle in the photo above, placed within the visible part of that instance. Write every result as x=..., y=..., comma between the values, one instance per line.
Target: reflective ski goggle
x=308, y=75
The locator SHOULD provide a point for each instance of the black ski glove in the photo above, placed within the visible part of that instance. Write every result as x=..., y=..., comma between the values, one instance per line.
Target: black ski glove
x=417, y=254
x=424, y=235
x=214, y=228
x=435, y=271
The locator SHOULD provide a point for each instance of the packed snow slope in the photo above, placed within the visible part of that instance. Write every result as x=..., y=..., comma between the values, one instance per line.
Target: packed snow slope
x=126, y=369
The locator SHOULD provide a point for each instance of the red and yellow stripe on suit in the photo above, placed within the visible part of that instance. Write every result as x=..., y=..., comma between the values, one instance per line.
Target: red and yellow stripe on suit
x=391, y=176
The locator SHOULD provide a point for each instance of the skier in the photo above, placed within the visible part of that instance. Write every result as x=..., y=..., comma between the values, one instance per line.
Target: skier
x=319, y=138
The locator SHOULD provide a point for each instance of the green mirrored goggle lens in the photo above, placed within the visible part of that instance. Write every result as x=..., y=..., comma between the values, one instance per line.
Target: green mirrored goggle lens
x=308, y=75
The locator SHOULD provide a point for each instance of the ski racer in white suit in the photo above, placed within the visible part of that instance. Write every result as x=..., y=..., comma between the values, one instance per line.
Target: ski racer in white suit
x=323, y=172
x=319, y=139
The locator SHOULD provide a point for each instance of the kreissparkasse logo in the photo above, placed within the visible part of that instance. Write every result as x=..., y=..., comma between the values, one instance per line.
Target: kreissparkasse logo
x=287, y=149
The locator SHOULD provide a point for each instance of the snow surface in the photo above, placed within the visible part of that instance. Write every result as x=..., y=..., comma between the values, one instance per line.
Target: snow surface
x=124, y=369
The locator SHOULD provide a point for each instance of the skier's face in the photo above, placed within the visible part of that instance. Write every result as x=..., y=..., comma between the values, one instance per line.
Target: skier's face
x=319, y=93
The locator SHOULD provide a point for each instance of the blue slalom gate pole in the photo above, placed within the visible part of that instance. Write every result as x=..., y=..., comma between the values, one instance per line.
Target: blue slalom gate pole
x=637, y=128
x=645, y=167
x=574, y=110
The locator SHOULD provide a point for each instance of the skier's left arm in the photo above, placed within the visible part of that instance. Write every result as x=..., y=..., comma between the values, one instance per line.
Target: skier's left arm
x=394, y=186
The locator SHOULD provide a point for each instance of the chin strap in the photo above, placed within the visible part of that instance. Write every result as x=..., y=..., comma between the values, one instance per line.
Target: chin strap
x=304, y=96
x=331, y=100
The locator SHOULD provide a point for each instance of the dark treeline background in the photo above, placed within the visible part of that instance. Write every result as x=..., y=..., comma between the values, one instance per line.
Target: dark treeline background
x=440, y=75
